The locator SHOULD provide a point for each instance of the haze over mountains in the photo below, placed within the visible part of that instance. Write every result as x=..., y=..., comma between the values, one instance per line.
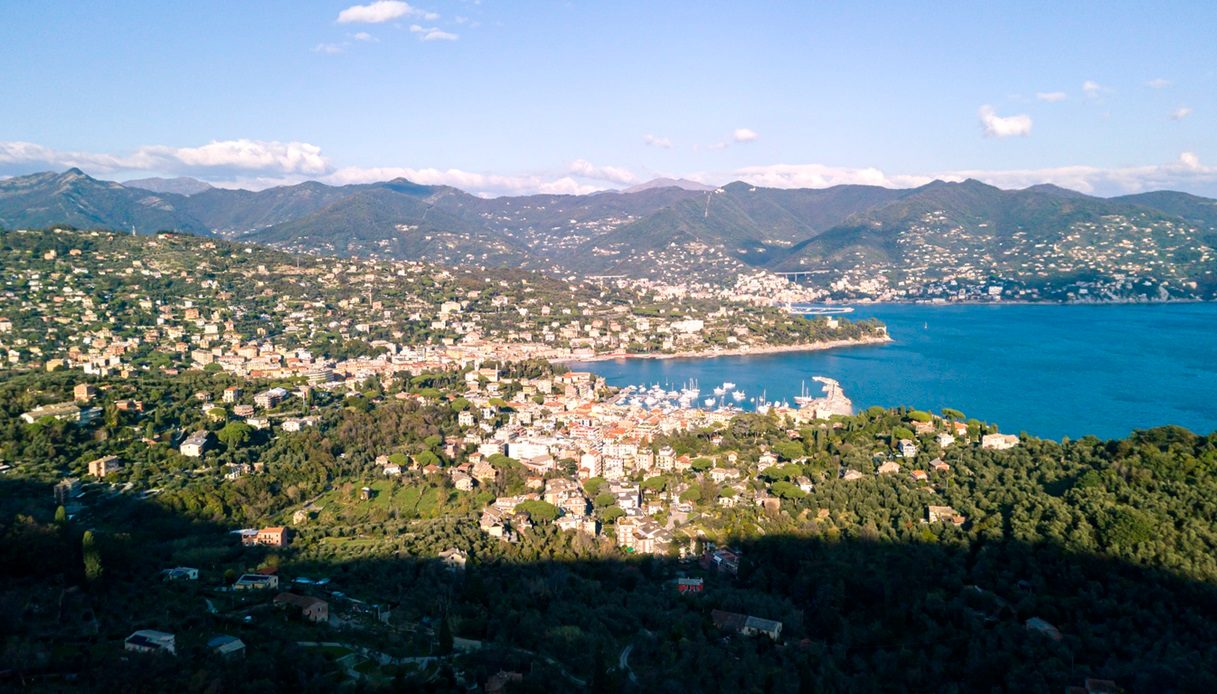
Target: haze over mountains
x=668, y=229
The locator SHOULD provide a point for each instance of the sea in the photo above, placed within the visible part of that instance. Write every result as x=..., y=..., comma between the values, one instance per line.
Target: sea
x=1051, y=371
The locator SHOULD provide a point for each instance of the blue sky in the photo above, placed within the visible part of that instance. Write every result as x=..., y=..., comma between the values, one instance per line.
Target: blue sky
x=506, y=98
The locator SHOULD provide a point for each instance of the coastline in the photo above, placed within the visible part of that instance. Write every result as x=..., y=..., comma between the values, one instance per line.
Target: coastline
x=737, y=352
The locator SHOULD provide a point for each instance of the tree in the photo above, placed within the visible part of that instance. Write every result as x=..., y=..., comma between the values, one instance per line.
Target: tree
x=920, y=416
x=235, y=434
x=789, y=450
x=92, y=557
x=701, y=464
x=61, y=515
x=444, y=639
x=538, y=511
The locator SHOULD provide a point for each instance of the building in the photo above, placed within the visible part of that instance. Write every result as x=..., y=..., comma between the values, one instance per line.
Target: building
x=944, y=514
x=454, y=560
x=84, y=392
x=104, y=466
x=269, y=398
x=181, y=573
x=256, y=582
x=196, y=444
x=226, y=646
x=310, y=608
x=746, y=624
x=232, y=394
x=908, y=449
x=998, y=442
x=1042, y=626
x=690, y=585
x=271, y=537
x=151, y=641
x=63, y=411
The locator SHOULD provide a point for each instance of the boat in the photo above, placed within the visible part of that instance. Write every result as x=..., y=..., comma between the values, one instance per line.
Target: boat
x=719, y=390
x=804, y=398
x=728, y=385
x=738, y=395
x=709, y=402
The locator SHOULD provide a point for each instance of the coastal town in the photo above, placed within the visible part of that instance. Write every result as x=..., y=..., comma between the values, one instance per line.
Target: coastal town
x=215, y=386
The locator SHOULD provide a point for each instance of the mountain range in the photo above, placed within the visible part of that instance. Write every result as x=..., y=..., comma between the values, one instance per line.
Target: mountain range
x=847, y=237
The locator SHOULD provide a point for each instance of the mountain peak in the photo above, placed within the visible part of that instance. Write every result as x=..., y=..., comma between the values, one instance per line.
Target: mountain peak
x=682, y=183
x=181, y=185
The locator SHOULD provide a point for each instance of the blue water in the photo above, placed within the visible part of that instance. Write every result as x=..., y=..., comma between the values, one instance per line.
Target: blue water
x=1047, y=370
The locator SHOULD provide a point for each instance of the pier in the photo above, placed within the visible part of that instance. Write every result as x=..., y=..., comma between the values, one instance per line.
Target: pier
x=815, y=309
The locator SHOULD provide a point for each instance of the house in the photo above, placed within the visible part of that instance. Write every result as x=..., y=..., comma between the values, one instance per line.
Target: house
x=181, y=573
x=851, y=475
x=921, y=475
x=461, y=481
x=907, y=448
x=310, y=608
x=724, y=560
x=891, y=467
x=151, y=641
x=944, y=514
x=196, y=444
x=453, y=559
x=104, y=466
x=690, y=585
x=84, y=392
x=232, y=394
x=998, y=442
x=1041, y=626
x=226, y=646
x=497, y=683
x=256, y=582
x=746, y=624
x=939, y=466
x=945, y=440
x=271, y=537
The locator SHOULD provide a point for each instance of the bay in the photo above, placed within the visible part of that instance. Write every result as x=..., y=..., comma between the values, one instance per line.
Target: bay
x=1048, y=370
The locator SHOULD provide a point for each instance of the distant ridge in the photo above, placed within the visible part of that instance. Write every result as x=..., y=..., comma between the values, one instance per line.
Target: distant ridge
x=182, y=185
x=849, y=240
x=682, y=183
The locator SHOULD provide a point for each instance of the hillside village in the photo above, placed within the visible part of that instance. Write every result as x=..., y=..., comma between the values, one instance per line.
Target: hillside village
x=108, y=303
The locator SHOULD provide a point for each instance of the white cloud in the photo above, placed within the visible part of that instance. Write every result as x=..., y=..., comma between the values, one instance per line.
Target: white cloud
x=744, y=135
x=378, y=12
x=1181, y=113
x=330, y=48
x=1158, y=83
x=1093, y=89
x=221, y=156
x=1051, y=97
x=814, y=176
x=257, y=164
x=660, y=142
x=1185, y=173
x=1003, y=126
x=612, y=174
x=432, y=33
x=364, y=36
